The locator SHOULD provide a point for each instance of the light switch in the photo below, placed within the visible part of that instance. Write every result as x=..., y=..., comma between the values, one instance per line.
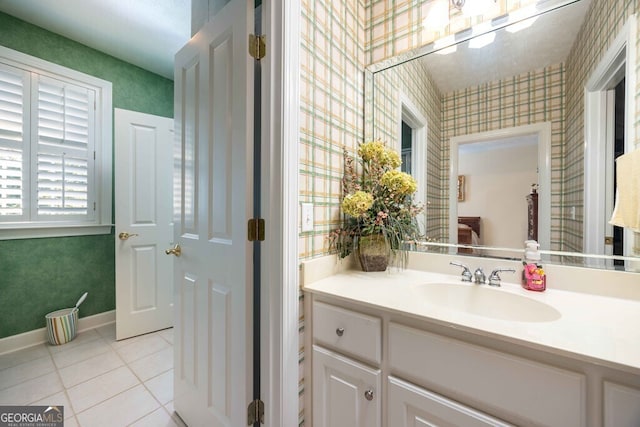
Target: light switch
x=307, y=216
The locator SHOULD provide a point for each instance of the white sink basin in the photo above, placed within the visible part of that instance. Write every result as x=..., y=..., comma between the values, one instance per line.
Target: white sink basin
x=482, y=300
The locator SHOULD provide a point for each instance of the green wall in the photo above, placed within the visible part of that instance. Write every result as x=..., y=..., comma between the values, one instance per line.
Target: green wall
x=41, y=275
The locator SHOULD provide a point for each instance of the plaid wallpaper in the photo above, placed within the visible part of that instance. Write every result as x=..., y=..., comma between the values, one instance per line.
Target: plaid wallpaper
x=533, y=97
x=332, y=60
x=604, y=21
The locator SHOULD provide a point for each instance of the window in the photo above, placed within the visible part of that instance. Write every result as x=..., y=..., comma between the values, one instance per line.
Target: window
x=55, y=150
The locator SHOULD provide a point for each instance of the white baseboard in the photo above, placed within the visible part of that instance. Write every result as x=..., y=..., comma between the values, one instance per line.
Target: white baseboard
x=38, y=336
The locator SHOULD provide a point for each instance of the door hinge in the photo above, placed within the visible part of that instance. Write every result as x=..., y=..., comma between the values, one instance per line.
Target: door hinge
x=255, y=228
x=257, y=46
x=255, y=412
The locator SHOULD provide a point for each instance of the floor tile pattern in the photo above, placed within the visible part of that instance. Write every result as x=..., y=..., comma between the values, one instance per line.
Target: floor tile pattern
x=98, y=380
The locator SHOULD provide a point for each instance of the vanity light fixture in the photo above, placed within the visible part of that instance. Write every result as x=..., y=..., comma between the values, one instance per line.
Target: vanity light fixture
x=522, y=25
x=483, y=35
x=475, y=7
x=482, y=41
x=445, y=45
x=437, y=15
x=447, y=50
x=521, y=19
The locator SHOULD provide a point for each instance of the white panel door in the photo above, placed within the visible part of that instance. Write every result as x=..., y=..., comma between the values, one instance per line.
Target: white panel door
x=144, y=229
x=213, y=195
x=345, y=393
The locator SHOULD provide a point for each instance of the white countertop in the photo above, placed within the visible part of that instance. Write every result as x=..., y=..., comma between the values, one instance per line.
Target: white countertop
x=598, y=329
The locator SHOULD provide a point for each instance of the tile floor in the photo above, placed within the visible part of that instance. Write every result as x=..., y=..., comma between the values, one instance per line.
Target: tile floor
x=98, y=380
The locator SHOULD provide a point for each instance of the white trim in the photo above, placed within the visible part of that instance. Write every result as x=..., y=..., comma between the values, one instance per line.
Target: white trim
x=280, y=129
x=55, y=230
x=620, y=55
x=409, y=113
x=38, y=336
x=543, y=131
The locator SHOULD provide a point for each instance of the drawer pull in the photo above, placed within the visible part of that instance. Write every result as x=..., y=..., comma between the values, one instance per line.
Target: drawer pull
x=368, y=395
x=340, y=332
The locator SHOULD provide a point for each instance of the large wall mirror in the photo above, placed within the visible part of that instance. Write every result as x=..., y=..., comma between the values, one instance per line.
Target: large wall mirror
x=512, y=129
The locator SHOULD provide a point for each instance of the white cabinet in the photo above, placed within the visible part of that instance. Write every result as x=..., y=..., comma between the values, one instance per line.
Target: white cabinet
x=411, y=406
x=345, y=393
x=621, y=406
x=379, y=368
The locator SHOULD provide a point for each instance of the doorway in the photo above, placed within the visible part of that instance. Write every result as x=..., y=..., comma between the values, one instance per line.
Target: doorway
x=609, y=113
x=143, y=217
x=542, y=133
x=618, y=150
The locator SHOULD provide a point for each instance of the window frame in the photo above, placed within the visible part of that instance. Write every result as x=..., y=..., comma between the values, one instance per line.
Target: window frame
x=103, y=167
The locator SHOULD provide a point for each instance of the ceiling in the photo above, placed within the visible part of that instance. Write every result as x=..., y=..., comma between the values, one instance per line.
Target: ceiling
x=548, y=41
x=146, y=33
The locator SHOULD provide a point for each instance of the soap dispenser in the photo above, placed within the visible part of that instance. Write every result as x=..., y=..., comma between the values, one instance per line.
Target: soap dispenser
x=533, y=275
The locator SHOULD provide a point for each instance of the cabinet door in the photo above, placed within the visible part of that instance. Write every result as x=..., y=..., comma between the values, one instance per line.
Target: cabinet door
x=621, y=406
x=411, y=406
x=345, y=392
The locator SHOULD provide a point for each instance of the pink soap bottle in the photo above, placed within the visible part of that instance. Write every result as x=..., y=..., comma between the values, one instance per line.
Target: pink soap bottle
x=533, y=275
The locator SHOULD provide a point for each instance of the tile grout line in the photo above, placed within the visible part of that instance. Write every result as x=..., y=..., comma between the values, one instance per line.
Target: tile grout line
x=109, y=341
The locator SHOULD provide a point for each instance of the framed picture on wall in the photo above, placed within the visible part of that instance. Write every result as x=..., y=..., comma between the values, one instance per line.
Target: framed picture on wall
x=461, y=188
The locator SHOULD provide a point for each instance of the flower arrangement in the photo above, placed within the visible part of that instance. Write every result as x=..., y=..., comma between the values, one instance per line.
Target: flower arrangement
x=378, y=200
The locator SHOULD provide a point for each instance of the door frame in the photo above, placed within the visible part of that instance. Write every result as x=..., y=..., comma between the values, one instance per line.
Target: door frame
x=280, y=128
x=620, y=56
x=543, y=132
x=410, y=114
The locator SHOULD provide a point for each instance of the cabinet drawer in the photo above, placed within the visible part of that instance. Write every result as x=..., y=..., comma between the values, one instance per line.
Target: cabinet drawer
x=508, y=386
x=419, y=407
x=347, y=331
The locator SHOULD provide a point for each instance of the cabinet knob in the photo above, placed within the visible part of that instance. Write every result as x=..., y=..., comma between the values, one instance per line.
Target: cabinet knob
x=368, y=395
x=340, y=332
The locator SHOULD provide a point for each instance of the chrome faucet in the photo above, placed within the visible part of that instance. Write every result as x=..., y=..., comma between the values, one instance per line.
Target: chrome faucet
x=479, y=276
x=466, y=273
x=494, y=278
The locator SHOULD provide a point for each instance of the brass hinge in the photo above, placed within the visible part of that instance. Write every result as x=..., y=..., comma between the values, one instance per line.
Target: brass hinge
x=255, y=412
x=257, y=46
x=255, y=229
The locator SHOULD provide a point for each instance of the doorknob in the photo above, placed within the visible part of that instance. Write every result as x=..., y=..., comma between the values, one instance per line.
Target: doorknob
x=176, y=250
x=124, y=235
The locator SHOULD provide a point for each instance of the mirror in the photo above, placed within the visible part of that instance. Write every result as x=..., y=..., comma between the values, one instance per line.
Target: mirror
x=500, y=120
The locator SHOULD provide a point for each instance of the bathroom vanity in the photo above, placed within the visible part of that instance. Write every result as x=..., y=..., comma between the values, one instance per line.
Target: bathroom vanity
x=421, y=348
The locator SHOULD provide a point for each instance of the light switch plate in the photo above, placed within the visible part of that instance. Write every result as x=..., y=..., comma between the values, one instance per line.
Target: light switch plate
x=306, y=216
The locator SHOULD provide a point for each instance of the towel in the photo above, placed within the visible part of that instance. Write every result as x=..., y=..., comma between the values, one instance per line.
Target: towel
x=626, y=212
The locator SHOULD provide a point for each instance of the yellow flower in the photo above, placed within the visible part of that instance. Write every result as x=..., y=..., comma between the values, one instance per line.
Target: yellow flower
x=371, y=150
x=399, y=182
x=390, y=158
x=375, y=151
x=357, y=204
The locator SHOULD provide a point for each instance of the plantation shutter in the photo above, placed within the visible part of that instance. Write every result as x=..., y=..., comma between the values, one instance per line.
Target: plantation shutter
x=14, y=142
x=65, y=149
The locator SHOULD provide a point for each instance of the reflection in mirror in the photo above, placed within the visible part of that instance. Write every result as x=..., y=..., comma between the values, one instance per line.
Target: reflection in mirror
x=511, y=114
